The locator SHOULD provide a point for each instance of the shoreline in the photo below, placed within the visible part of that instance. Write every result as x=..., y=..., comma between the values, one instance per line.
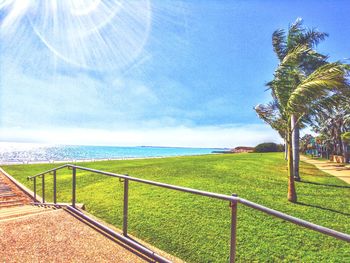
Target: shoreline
x=95, y=159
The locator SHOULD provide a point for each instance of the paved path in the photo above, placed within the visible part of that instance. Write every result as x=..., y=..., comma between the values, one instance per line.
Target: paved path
x=335, y=169
x=57, y=236
x=42, y=233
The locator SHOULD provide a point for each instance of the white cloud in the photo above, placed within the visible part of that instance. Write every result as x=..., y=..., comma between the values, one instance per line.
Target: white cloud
x=71, y=100
x=227, y=136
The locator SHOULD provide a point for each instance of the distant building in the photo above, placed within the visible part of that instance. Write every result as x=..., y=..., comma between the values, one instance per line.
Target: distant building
x=243, y=149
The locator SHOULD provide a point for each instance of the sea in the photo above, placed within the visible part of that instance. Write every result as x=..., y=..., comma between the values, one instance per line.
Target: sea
x=14, y=153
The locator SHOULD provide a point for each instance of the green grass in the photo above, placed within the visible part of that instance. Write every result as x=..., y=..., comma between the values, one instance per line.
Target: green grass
x=197, y=228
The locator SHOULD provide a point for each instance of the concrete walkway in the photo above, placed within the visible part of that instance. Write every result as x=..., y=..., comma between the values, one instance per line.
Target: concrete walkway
x=336, y=169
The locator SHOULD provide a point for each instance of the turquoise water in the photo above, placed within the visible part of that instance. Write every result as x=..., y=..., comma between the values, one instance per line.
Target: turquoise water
x=45, y=153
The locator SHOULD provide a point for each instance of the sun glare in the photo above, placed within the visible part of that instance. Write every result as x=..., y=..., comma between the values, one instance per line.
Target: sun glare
x=84, y=7
x=94, y=34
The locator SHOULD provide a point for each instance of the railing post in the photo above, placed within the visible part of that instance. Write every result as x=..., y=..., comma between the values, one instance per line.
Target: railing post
x=34, y=188
x=233, y=206
x=43, y=187
x=74, y=173
x=126, y=204
x=54, y=188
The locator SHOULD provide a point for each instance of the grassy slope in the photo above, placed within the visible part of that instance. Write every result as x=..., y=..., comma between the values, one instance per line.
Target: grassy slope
x=197, y=228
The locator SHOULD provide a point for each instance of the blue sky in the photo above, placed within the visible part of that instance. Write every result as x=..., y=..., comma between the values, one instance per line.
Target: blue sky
x=188, y=72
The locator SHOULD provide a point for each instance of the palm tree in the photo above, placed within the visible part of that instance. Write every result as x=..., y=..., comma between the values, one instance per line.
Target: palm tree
x=346, y=140
x=302, y=78
x=331, y=118
x=297, y=91
x=283, y=44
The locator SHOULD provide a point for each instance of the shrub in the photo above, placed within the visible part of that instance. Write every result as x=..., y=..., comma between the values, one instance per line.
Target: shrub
x=268, y=147
x=346, y=137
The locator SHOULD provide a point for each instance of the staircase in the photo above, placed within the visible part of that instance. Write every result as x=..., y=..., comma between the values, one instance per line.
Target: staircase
x=11, y=195
x=14, y=203
x=16, y=212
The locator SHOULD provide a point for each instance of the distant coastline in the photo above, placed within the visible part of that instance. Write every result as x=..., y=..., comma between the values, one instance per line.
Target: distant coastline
x=85, y=160
x=34, y=154
x=177, y=147
x=238, y=149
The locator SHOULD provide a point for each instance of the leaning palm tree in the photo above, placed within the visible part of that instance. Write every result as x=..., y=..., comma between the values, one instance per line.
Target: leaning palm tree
x=283, y=43
x=302, y=78
x=297, y=90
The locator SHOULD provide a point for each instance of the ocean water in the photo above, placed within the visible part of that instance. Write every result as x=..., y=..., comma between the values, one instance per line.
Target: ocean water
x=32, y=153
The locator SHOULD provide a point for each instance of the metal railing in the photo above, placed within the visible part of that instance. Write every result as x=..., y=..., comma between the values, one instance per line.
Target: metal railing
x=233, y=199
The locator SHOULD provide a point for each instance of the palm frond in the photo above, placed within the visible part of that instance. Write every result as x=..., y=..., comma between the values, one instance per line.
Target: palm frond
x=294, y=30
x=330, y=77
x=279, y=43
x=294, y=56
x=310, y=37
x=270, y=114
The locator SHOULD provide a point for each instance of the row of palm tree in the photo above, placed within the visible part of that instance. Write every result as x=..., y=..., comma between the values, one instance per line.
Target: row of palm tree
x=331, y=120
x=303, y=80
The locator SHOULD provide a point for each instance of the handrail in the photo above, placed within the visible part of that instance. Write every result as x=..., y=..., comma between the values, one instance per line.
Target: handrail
x=48, y=171
x=122, y=176
x=297, y=221
x=232, y=199
x=164, y=185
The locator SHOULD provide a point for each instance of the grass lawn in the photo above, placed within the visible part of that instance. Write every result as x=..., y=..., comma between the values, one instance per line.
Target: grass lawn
x=197, y=228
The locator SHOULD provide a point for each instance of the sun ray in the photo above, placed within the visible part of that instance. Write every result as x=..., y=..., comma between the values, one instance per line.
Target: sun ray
x=92, y=34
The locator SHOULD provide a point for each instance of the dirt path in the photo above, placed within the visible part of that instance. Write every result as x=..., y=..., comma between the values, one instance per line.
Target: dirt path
x=335, y=169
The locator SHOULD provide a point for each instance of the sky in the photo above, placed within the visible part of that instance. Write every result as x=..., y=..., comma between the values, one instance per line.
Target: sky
x=168, y=73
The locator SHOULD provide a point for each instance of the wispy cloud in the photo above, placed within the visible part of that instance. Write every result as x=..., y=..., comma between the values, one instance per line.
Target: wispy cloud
x=208, y=136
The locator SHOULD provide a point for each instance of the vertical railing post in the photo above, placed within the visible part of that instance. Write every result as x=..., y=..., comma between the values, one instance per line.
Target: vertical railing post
x=43, y=187
x=74, y=173
x=54, y=188
x=233, y=206
x=35, y=188
x=126, y=204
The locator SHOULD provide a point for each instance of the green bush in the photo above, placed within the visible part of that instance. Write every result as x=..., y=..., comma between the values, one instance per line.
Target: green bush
x=346, y=137
x=268, y=147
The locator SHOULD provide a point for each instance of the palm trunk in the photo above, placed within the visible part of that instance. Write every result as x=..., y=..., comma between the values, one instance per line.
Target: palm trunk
x=345, y=152
x=285, y=148
x=295, y=147
x=292, y=195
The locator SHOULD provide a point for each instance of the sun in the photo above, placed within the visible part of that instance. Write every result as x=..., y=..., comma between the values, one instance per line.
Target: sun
x=84, y=7
x=92, y=34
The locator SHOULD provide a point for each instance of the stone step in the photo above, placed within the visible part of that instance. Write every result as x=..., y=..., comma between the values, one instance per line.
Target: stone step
x=7, y=194
x=9, y=203
x=5, y=189
x=17, y=209
x=20, y=211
